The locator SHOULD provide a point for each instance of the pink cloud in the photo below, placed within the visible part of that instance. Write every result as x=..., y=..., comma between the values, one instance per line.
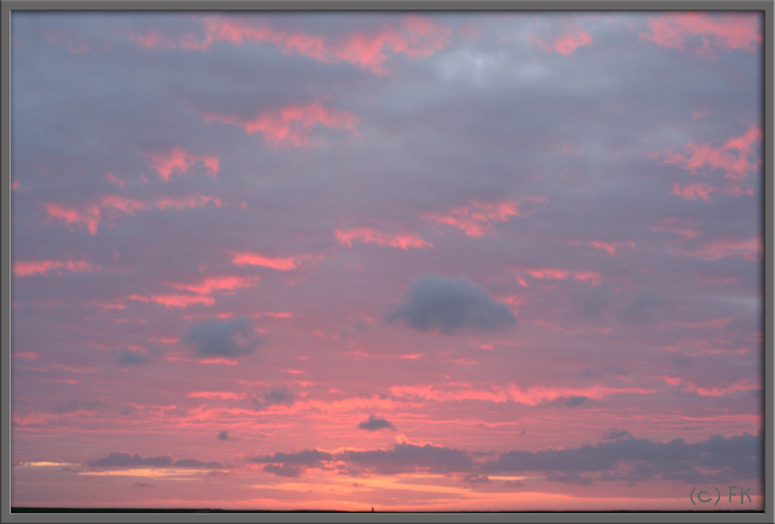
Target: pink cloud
x=90, y=216
x=152, y=39
x=70, y=215
x=289, y=126
x=202, y=291
x=113, y=180
x=194, y=201
x=731, y=157
x=221, y=395
x=254, y=259
x=178, y=161
x=593, y=277
x=566, y=43
x=750, y=249
x=339, y=406
x=413, y=36
x=125, y=205
x=171, y=301
x=110, y=206
x=476, y=218
x=677, y=226
x=685, y=31
x=368, y=235
x=692, y=191
x=521, y=282
x=210, y=284
x=279, y=314
x=738, y=190
x=219, y=360
x=532, y=396
x=75, y=43
x=239, y=31
x=612, y=248
x=30, y=355
x=719, y=323
x=42, y=267
x=106, y=305
x=685, y=233
x=548, y=274
x=691, y=387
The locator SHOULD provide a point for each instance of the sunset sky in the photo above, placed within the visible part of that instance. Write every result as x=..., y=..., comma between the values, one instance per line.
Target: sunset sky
x=412, y=261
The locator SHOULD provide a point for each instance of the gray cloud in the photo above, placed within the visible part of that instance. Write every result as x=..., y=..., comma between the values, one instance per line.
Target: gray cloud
x=194, y=463
x=403, y=458
x=74, y=405
x=615, y=435
x=293, y=464
x=128, y=357
x=450, y=304
x=283, y=471
x=218, y=338
x=737, y=457
x=375, y=424
x=575, y=400
x=645, y=306
x=591, y=302
x=406, y=458
x=278, y=396
x=119, y=459
x=223, y=435
x=474, y=479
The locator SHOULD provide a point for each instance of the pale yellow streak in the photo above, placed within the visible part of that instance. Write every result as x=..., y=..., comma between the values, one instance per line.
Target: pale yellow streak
x=341, y=484
x=395, y=483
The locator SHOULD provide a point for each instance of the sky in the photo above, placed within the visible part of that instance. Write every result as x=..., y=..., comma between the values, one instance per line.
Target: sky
x=414, y=261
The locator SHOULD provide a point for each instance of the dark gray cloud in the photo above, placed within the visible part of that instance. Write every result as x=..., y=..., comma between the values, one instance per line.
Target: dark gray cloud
x=74, y=405
x=375, y=423
x=406, y=458
x=591, y=302
x=403, y=458
x=645, y=306
x=223, y=435
x=475, y=479
x=620, y=457
x=450, y=304
x=117, y=459
x=128, y=357
x=616, y=434
x=279, y=396
x=221, y=338
x=293, y=464
x=737, y=457
x=575, y=400
x=283, y=470
x=194, y=463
